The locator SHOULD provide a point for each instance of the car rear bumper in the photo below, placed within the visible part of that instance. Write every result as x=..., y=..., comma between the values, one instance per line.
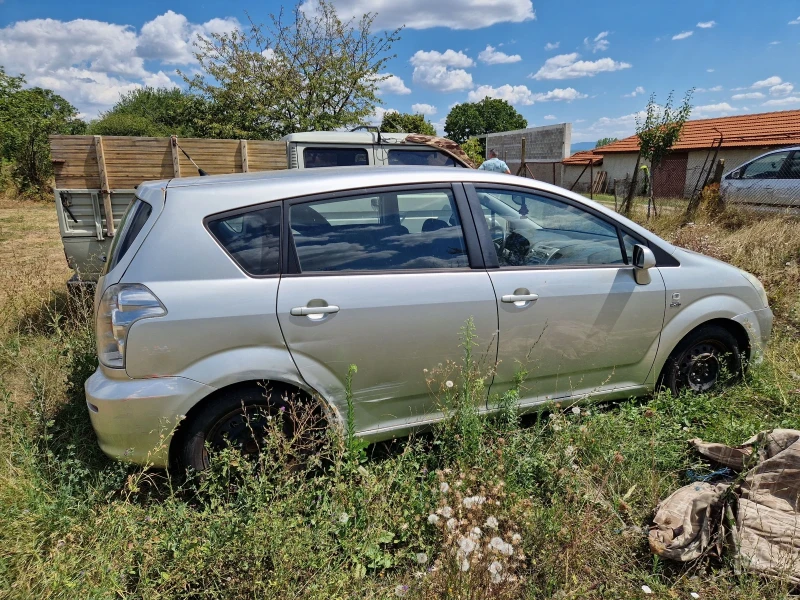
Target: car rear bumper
x=134, y=419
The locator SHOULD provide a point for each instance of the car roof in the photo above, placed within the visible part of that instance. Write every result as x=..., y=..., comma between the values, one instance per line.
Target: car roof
x=343, y=137
x=229, y=192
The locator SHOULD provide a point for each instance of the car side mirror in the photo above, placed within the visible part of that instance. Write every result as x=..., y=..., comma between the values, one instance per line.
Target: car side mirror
x=643, y=261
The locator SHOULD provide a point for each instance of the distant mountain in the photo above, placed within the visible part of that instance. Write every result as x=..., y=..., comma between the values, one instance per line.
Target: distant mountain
x=581, y=146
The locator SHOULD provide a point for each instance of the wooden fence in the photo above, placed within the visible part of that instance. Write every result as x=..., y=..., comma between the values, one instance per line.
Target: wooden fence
x=121, y=162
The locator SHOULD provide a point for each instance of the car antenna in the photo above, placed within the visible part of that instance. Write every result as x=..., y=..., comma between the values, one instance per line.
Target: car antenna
x=369, y=128
x=186, y=154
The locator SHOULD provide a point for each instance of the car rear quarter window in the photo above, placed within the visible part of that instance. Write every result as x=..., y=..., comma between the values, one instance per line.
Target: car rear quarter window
x=131, y=225
x=379, y=232
x=427, y=158
x=314, y=158
x=252, y=239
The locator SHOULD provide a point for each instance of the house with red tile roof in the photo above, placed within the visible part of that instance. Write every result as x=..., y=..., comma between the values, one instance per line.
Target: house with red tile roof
x=735, y=140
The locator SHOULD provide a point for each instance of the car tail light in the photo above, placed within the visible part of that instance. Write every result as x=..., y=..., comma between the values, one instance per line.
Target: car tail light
x=120, y=307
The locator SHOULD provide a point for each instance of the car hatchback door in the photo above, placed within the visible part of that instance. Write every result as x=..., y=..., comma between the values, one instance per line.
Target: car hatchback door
x=571, y=314
x=383, y=279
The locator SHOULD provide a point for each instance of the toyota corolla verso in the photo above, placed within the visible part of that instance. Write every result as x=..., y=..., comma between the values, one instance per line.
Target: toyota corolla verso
x=217, y=288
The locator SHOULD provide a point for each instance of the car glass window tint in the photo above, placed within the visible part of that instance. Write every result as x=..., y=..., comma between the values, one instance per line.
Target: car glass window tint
x=379, y=232
x=791, y=170
x=531, y=230
x=132, y=223
x=314, y=158
x=766, y=167
x=252, y=239
x=426, y=158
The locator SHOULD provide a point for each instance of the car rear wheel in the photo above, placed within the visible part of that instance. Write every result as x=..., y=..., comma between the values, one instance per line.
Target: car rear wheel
x=241, y=419
x=708, y=356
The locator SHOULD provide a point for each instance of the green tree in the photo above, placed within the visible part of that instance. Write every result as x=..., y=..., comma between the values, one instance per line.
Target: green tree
x=490, y=115
x=154, y=112
x=395, y=122
x=605, y=141
x=657, y=132
x=27, y=117
x=474, y=150
x=312, y=73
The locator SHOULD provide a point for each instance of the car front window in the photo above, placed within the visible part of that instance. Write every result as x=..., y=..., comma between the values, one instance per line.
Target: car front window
x=766, y=167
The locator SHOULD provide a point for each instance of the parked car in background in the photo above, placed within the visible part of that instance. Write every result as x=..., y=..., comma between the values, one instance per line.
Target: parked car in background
x=772, y=179
x=219, y=288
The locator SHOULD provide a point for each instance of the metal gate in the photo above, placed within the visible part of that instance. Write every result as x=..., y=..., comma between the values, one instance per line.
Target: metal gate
x=669, y=178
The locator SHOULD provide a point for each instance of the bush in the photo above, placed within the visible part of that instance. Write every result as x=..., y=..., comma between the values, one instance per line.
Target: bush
x=127, y=124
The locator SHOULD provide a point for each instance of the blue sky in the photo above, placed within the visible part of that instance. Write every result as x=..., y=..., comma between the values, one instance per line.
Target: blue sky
x=590, y=63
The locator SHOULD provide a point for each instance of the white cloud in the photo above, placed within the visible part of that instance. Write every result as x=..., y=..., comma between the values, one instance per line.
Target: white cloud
x=423, y=109
x=566, y=66
x=448, y=58
x=716, y=88
x=551, y=45
x=706, y=24
x=392, y=85
x=377, y=115
x=782, y=89
x=774, y=43
x=788, y=101
x=521, y=95
x=768, y=82
x=433, y=70
x=748, y=96
x=442, y=79
x=599, y=44
x=170, y=37
x=549, y=117
x=637, y=92
x=91, y=63
x=620, y=127
x=493, y=57
x=682, y=35
x=709, y=70
x=719, y=109
x=795, y=21
x=424, y=14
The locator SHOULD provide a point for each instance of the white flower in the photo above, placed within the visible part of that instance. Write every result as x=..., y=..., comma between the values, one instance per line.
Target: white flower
x=491, y=523
x=465, y=565
x=421, y=558
x=556, y=427
x=444, y=487
x=344, y=518
x=446, y=512
x=466, y=545
x=476, y=533
x=502, y=547
x=495, y=569
x=449, y=384
x=694, y=595
x=516, y=538
x=646, y=589
x=569, y=451
x=401, y=590
x=474, y=501
x=452, y=523
x=433, y=519
x=576, y=410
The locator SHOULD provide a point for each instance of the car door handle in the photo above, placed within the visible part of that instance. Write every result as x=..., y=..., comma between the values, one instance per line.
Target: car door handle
x=304, y=311
x=519, y=298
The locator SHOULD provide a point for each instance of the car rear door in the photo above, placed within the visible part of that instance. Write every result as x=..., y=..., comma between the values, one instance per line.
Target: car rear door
x=384, y=279
x=571, y=315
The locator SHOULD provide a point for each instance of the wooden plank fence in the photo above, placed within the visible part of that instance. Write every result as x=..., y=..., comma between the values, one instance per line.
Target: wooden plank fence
x=107, y=163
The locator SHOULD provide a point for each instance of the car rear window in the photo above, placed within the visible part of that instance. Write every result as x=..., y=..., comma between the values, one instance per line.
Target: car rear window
x=314, y=158
x=426, y=158
x=252, y=239
x=129, y=228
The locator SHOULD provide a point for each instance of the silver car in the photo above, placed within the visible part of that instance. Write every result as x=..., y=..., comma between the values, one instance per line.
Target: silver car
x=216, y=285
x=772, y=179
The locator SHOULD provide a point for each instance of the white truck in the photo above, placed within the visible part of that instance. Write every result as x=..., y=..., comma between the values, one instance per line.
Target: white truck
x=96, y=177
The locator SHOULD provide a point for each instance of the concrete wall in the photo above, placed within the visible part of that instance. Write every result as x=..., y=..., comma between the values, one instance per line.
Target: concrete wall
x=548, y=143
x=571, y=173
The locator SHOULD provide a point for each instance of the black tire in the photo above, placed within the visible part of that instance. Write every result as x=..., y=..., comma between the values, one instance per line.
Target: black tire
x=238, y=419
x=706, y=357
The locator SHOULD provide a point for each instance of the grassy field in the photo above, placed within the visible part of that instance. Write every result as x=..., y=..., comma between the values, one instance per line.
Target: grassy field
x=569, y=493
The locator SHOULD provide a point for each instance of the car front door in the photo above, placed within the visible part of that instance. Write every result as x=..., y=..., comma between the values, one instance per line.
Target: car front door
x=756, y=181
x=383, y=279
x=787, y=186
x=571, y=315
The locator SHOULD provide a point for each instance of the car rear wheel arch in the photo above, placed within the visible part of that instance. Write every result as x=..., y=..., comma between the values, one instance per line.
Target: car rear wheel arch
x=245, y=389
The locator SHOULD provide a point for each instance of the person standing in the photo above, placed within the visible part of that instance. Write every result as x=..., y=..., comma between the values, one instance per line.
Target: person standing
x=495, y=164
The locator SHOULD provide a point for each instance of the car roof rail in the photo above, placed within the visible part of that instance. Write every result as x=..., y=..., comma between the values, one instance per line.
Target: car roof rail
x=374, y=128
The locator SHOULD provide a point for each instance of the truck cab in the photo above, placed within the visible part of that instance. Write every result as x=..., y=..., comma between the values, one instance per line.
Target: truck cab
x=317, y=149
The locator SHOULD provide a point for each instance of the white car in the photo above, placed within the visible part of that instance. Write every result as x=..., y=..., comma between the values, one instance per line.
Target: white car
x=772, y=179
